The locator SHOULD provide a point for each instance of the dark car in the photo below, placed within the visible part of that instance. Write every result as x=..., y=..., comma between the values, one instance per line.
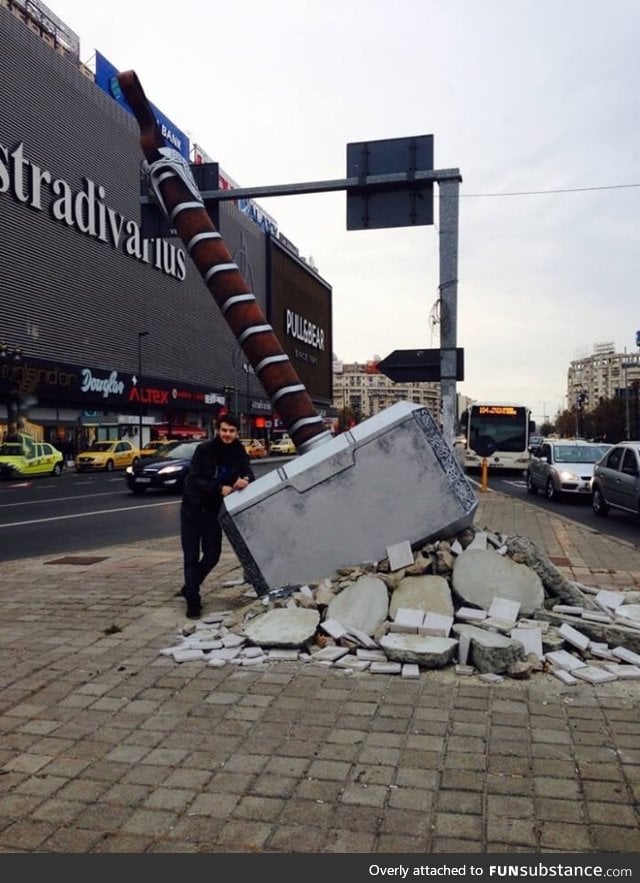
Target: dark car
x=164, y=472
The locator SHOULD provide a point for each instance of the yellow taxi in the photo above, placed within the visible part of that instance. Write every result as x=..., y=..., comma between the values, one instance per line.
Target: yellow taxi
x=151, y=448
x=107, y=455
x=22, y=456
x=254, y=447
x=283, y=445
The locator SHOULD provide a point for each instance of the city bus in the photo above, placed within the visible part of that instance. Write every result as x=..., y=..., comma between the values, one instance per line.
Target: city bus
x=499, y=431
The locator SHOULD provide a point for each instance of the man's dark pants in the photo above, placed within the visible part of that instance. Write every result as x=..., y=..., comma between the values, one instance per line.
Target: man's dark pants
x=199, y=532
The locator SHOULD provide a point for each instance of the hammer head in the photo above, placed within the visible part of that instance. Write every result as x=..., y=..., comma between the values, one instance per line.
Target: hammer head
x=391, y=478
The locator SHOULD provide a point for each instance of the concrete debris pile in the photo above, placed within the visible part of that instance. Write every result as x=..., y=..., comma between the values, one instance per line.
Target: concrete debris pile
x=490, y=605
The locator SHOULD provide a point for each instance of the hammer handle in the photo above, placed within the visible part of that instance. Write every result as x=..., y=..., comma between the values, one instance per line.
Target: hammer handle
x=225, y=282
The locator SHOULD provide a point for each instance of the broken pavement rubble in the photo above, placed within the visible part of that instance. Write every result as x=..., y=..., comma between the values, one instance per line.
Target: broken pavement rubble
x=491, y=605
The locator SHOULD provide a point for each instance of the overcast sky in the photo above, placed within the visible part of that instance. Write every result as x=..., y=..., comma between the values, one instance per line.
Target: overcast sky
x=523, y=96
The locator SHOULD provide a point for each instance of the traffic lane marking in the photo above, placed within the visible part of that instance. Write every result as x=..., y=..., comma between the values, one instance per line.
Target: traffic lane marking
x=89, y=514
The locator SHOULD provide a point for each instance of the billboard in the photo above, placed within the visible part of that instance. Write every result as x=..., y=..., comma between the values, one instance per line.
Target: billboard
x=300, y=314
x=106, y=79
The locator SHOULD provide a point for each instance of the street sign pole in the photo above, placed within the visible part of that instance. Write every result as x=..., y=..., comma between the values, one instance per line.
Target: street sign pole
x=448, y=237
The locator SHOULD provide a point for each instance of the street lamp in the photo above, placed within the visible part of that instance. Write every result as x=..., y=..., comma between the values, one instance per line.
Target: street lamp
x=10, y=358
x=141, y=334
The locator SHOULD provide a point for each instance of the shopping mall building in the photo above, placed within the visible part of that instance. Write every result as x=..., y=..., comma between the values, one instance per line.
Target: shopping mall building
x=105, y=327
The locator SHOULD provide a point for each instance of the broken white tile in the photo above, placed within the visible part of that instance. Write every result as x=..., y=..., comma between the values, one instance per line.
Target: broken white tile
x=479, y=541
x=169, y=651
x=531, y=640
x=330, y=653
x=456, y=548
x=323, y=663
x=206, y=645
x=464, y=669
x=400, y=555
x=371, y=655
x=493, y=623
x=436, y=624
x=573, y=636
x=541, y=624
x=410, y=670
x=464, y=644
x=594, y=675
x=626, y=621
x=385, y=668
x=352, y=662
x=491, y=678
x=304, y=657
x=227, y=653
x=402, y=629
x=609, y=600
x=252, y=652
x=504, y=608
x=252, y=660
x=562, y=659
x=502, y=550
x=564, y=676
x=233, y=641
x=623, y=670
x=626, y=655
x=229, y=583
x=362, y=637
x=602, y=652
x=409, y=616
x=568, y=608
x=333, y=628
x=471, y=614
x=284, y=654
x=596, y=616
x=216, y=663
x=188, y=655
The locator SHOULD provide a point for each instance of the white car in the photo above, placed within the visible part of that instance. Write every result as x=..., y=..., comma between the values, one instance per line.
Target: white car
x=563, y=467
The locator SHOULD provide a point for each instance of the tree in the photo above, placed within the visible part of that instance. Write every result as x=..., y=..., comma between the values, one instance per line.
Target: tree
x=547, y=429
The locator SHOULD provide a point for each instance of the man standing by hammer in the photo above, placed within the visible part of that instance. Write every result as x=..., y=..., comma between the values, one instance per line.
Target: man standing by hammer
x=219, y=467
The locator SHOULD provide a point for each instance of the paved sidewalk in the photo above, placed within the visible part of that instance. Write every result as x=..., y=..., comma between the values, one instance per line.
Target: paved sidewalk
x=107, y=747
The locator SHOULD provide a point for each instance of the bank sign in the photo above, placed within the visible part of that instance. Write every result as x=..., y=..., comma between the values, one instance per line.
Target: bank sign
x=107, y=80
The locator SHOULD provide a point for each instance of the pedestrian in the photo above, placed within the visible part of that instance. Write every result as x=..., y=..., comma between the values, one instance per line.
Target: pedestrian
x=218, y=468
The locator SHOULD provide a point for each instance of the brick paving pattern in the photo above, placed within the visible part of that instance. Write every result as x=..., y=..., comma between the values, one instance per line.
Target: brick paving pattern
x=105, y=746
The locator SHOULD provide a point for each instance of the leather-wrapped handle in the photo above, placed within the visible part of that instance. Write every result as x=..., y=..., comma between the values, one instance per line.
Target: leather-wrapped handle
x=237, y=303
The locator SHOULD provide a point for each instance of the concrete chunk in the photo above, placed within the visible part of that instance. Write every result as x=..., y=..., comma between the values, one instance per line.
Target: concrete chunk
x=531, y=640
x=490, y=651
x=282, y=627
x=479, y=576
x=436, y=624
x=426, y=651
x=363, y=605
x=427, y=593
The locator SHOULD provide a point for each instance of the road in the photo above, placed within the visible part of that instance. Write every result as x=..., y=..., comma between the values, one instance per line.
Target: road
x=616, y=524
x=76, y=512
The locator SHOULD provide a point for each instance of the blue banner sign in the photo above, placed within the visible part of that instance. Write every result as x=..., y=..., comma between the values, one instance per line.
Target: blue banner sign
x=106, y=79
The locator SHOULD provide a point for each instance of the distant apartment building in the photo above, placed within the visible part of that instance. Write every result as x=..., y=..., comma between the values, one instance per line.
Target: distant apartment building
x=360, y=387
x=602, y=375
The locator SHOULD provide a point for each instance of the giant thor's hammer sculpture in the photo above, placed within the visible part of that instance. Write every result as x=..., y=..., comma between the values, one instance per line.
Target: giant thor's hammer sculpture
x=346, y=499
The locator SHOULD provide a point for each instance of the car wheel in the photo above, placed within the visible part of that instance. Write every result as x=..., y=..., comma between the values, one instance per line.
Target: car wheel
x=531, y=488
x=550, y=491
x=109, y=466
x=598, y=502
x=57, y=469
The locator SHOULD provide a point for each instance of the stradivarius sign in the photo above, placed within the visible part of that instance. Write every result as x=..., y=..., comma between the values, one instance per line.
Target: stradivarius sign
x=84, y=210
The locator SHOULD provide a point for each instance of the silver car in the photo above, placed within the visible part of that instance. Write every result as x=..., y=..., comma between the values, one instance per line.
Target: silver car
x=563, y=467
x=616, y=480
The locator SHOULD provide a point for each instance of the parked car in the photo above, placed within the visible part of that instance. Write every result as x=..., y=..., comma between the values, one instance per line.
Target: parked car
x=166, y=471
x=26, y=457
x=616, y=480
x=562, y=467
x=282, y=445
x=107, y=455
x=153, y=447
x=255, y=448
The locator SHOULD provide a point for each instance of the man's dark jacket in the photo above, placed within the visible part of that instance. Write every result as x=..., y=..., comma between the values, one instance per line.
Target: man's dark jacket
x=214, y=464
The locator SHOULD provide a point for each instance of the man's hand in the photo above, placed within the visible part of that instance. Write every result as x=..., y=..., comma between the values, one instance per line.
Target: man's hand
x=240, y=484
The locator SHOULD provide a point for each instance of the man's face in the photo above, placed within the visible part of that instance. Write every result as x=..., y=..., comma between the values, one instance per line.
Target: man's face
x=227, y=432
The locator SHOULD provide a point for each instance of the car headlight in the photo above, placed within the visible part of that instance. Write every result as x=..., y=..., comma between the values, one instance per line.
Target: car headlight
x=166, y=470
x=569, y=476
x=129, y=470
